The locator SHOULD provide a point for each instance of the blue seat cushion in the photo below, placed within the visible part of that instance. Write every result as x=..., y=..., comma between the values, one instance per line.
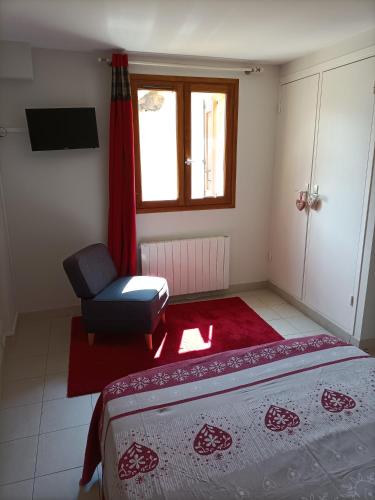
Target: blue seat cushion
x=128, y=304
x=132, y=288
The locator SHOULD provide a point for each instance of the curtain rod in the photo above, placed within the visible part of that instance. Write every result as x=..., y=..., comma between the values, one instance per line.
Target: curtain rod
x=248, y=70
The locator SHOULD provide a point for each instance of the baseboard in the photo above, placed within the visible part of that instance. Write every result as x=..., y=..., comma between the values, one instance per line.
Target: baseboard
x=76, y=309
x=244, y=287
x=235, y=288
x=318, y=318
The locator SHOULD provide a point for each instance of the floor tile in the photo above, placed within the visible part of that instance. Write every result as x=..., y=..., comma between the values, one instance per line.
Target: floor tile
x=269, y=298
x=266, y=313
x=17, y=491
x=299, y=335
x=68, y=412
x=61, y=450
x=21, y=392
x=57, y=363
x=309, y=334
x=286, y=310
x=65, y=485
x=55, y=386
x=282, y=326
x=32, y=326
x=251, y=299
x=326, y=332
x=40, y=349
x=20, y=422
x=17, y=459
x=24, y=367
x=305, y=324
x=32, y=344
x=59, y=340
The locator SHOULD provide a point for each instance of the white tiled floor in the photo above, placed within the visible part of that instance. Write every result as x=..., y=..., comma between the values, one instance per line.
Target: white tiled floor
x=42, y=432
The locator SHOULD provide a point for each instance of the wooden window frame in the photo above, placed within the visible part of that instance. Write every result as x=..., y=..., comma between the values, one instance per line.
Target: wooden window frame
x=183, y=87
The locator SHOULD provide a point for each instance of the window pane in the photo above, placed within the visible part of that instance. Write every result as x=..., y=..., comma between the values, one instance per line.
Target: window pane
x=208, y=126
x=157, y=113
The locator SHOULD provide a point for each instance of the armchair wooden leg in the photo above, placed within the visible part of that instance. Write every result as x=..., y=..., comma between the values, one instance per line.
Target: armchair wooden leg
x=91, y=338
x=148, y=338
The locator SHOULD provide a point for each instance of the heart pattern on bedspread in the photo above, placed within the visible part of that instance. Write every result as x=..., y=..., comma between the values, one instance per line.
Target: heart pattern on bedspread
x=210, y=439
x=336, y=402
x=278, y=419
x=137, y=458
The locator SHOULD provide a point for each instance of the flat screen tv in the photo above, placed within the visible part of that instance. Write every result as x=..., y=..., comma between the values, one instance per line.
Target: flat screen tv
x=62, y=128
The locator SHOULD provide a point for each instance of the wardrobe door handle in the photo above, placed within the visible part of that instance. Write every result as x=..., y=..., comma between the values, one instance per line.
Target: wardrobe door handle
x=313, y=199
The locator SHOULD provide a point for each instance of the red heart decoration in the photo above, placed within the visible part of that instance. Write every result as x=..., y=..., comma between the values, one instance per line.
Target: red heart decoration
x=335, y=402
x=137, y=459
x=300, y=204
x=210, y=439
x=278, y=419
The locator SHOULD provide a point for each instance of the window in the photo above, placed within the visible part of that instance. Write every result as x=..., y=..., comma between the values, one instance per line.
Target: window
x=185, y=133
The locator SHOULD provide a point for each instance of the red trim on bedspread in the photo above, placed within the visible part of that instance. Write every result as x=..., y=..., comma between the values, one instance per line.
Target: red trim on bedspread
x=202, y=368
x=231, y=389
x=211, y=366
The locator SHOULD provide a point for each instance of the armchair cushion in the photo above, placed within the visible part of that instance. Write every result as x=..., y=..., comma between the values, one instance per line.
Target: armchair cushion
x=129, y=304
x=132, y=288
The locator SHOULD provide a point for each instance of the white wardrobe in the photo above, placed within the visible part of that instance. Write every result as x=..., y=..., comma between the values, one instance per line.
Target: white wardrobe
x=325, y=149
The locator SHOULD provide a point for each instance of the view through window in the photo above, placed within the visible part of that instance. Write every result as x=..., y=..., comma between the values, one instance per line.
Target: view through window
x=185, y=142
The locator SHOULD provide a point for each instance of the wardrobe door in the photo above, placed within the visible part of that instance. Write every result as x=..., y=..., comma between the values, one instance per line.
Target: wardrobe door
x=294, y=153
x=341, y=173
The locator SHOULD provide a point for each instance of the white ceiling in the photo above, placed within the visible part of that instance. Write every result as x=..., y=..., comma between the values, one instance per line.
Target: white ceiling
x=263, y=30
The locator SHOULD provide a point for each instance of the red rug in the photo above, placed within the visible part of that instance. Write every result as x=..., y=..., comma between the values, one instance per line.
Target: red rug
x=192, y=330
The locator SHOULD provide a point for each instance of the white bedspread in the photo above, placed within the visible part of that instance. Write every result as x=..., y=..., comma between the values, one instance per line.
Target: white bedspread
x=294, y=419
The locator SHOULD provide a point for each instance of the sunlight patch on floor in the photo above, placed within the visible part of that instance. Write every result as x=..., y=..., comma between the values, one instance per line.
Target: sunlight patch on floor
x=158, y=352
x=192, y=340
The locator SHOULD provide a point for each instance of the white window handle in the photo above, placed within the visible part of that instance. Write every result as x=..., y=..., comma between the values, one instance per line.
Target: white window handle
x=189, y=161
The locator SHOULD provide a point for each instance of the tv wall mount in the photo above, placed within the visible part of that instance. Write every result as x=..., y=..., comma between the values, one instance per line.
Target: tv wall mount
x=4, y=131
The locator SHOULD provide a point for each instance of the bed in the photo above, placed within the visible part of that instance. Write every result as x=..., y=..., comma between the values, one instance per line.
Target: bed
x=293, y=419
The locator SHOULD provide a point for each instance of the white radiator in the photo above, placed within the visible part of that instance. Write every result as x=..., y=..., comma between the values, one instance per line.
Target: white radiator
x=190, y=266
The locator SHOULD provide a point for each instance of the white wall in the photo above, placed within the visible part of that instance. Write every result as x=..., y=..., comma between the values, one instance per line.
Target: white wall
x=56, y=202
x=15, y=60
x=247, y=224
x=7, y=298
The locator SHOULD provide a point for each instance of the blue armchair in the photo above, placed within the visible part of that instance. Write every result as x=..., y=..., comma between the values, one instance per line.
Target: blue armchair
x=111, y=303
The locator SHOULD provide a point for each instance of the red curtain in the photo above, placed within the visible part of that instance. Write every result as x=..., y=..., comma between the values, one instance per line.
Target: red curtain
x=121, y=221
